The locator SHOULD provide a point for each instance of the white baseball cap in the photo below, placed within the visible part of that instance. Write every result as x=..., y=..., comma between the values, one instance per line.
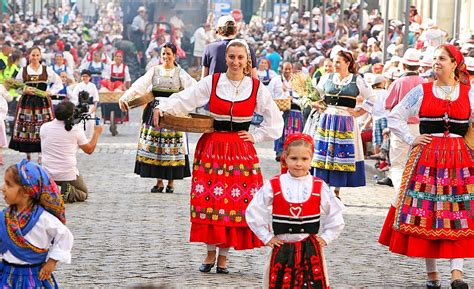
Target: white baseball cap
x=372, y=79
x=224, y=19
x=411, y=57
x=371, y=41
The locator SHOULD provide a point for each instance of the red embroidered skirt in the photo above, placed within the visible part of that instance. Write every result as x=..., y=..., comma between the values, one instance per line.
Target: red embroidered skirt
x=434, y=215
x=226, y=175
x=298, y=265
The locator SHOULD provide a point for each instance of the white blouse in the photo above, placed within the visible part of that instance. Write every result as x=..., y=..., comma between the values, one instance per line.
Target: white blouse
x=198, y=95
x=144, y=83
x=259, y=211
x=364, y=89
x=57, y=83
x=410, y=106
x=50, y=233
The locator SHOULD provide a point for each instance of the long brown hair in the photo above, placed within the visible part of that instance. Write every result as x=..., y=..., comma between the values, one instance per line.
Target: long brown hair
x=350, y=59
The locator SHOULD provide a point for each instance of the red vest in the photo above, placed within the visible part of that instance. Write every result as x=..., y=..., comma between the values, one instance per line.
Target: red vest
x=443, y=116
x=117, y=76
x=296, y=218
x=232, y=115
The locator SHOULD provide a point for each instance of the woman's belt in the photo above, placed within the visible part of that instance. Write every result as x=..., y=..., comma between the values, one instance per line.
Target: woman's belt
x=341, y=100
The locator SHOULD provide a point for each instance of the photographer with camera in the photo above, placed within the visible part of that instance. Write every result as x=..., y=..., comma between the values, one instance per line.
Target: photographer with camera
x=59, y=141
x=85, y=93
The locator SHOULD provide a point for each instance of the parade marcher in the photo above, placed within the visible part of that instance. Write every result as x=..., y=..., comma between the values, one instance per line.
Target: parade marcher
x=296, y=244
x=338, y=156
x=292, y=118
x=32, y=231
x=431, y=218
x=65, y=93
x=379, y=113
x=60, y=140
x=59, y=65
x=116, y=76
x=226, y=171
x=96, y=66
x=162, y=153
x=213, y=60
x=33, y=110
x=11, y=71
x=265, y=75
x=396, y=92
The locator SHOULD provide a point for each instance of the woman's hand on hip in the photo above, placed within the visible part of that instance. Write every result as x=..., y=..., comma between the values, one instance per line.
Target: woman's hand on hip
x=274, y=242
x=47, y=269
x=423, y=139
x=156, y=117
x=246, y=136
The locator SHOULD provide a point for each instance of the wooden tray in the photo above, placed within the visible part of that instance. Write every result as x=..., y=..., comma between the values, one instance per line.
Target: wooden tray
x=135, y=100
x=109, y=96
x=194, y=123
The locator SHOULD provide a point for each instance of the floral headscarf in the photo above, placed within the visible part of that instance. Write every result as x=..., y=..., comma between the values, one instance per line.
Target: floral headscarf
x=41, y=188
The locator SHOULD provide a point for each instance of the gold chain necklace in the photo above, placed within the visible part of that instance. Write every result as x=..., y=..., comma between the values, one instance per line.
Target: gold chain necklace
x=235, y=86
x=447, y=93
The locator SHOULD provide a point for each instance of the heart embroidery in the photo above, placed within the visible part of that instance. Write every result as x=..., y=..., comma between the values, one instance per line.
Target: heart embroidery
x=295, y=211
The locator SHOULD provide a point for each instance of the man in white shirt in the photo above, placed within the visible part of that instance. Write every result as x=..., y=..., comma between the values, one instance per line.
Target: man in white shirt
x=138, y=28
x=69, y=58
x=60, y=139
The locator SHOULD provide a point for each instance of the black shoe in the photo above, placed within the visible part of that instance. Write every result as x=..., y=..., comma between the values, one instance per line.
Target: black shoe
x=206, y=268
x=157, y=189
x=220, y=270
x=433, y=284
x=459, y=284
x=385, y=181
x=169, y=189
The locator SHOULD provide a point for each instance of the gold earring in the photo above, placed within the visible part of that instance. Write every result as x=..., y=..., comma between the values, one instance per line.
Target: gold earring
x=452, y=74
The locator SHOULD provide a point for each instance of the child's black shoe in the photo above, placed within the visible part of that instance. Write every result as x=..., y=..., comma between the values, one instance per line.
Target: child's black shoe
x=459, y=284
x=433, y=284
x=206, y=268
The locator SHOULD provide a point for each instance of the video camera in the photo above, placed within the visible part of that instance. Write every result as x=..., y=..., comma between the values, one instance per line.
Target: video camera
x=81, y=111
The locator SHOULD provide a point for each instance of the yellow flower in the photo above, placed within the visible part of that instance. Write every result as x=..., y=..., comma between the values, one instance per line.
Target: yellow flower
x=246, y=173
x=193, y=214
x=226, y=200
x=209, y=210
x=232, y=212
x=215, y=217
x=238, y=219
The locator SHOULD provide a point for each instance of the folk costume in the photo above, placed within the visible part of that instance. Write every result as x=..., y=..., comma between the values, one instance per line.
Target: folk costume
x=432, y=216
x=162, y=153
x=33, y=110
x=338, y=155
x=292, y=118
x=113, y=77
x=226, y=171
x=295, y=208
x=96, y=70
x=31, y=237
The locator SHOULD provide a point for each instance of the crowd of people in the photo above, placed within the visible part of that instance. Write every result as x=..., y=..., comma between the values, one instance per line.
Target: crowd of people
x=322, y=94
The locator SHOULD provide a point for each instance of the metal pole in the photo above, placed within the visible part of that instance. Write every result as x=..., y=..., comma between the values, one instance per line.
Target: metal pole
x=41, y=9
x=324, y=17
x=279, y=16
x=457, y=16
x=341, y=16
x=407, y=25
x=361, y=18
x=386, y=24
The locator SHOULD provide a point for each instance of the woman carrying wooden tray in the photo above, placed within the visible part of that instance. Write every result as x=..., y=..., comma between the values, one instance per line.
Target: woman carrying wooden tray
x=162, y=153
x=226, y=171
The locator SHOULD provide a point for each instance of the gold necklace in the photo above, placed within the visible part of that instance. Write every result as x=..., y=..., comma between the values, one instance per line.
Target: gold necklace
x=235, y=86
x=447, y=93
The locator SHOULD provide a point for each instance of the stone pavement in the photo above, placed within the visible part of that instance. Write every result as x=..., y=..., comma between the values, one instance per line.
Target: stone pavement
x=126, y=236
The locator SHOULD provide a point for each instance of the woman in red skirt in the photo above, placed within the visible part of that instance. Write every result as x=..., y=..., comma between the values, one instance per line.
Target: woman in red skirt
x=433, y=216
x=226, y=172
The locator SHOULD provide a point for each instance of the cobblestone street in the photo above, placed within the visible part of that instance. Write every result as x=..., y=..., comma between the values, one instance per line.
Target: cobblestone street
x=126, y=236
